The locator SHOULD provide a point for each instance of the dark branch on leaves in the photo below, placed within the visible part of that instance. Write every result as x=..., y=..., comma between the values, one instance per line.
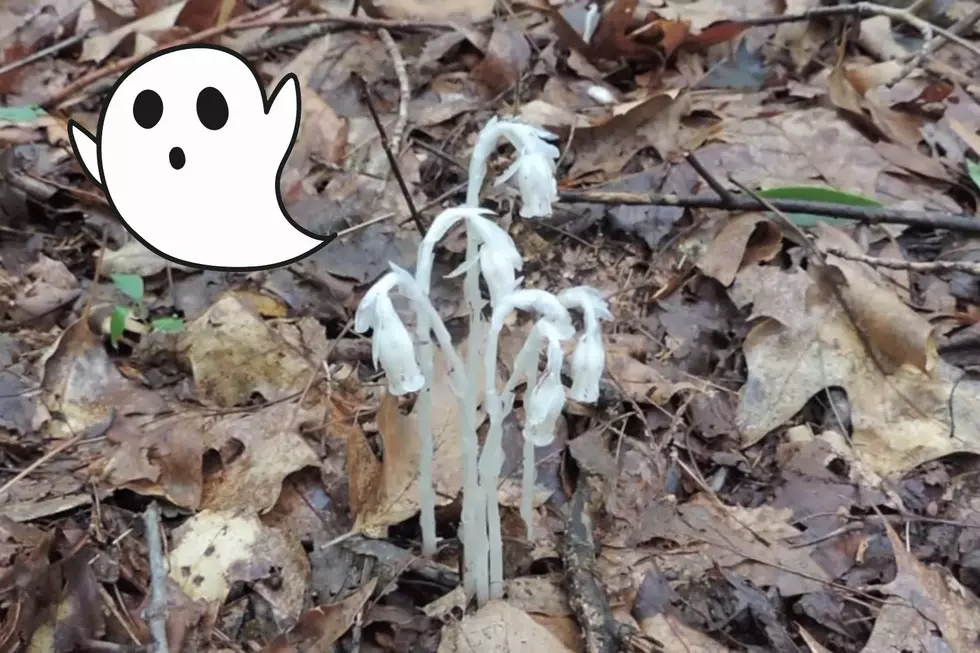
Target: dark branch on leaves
x=392, y=160
x=743, y=202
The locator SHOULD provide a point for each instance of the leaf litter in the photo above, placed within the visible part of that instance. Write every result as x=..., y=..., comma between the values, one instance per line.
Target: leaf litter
x=780, y=471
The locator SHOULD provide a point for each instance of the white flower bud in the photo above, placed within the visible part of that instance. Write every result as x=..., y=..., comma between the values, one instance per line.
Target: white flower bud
x=544, y=402
x=391, y=344
x=588, y=363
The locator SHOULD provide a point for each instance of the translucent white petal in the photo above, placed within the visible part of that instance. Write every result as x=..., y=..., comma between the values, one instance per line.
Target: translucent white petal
x=396, y=352
x=366, y=314
x=588, y=362
x=543, y=405
x=533, y=299
x=537, y=184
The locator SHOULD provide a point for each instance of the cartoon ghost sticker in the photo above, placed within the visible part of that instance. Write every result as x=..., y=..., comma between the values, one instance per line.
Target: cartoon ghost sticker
x=189, y=153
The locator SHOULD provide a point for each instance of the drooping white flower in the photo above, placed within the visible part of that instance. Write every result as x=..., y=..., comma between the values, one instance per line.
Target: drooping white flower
x=391, y=344
x=541, y=301
x=536, y=181
x=589, y=357
x=534, y=166
x=544, y=402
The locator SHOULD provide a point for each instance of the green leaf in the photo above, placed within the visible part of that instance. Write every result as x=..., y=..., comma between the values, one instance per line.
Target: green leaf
x=117, y=324
x=130, y=285
x=23, y=113
x=817, y=194
x=973, y=168
x=168, y=324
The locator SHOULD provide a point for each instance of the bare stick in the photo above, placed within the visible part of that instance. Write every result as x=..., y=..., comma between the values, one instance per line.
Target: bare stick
x=405, y=88
x=866, y=10
x=709, y=178
x=744, y=202
x=157, y=611
x=933, y=45
x=54, y=48
x=392, y=161
x=967, y=267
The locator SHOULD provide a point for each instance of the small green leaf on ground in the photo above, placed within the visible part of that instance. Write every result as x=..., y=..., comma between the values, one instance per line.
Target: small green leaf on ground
x=117, y=323
x=23, y=113
x=973, y=168
x=817, y=194
x=168, y=324
x=130, y=285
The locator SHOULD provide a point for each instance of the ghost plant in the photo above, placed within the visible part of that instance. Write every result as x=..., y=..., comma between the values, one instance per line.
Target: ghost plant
x=409, y=364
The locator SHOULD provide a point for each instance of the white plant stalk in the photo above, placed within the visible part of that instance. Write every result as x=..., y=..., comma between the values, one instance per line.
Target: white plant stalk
x=543, y=403
x=490, y=250
x=492, y=456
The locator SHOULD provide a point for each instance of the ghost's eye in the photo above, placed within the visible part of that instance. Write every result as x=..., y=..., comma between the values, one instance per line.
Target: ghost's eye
x=147, y=109
x=212, y=110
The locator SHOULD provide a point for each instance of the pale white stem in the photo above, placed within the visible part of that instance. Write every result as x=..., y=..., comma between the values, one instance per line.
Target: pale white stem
x=527, y=487
x=476, y=578
x=427, y=493
x=491, y=462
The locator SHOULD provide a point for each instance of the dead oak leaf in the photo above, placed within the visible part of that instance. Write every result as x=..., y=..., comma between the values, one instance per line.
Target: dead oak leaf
x=929, y=609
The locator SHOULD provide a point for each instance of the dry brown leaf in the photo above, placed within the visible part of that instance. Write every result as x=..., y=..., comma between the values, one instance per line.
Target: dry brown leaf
x=386, y=492
x=932, y=611
x=505, y=59
x=900, y=420
x=742, y=241
x=777, y=296
x=318, y=629
x=498, y=628
x=234, y=354
x=898, y=127
x=97, y=48
x=212, y=550
x=736, y=538
x=80, y=381
x=544, y=595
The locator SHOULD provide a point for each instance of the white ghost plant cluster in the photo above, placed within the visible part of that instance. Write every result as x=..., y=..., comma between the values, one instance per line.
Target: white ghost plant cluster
x=409, y=363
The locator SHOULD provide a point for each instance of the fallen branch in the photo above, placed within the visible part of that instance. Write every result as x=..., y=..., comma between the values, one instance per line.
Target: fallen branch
x=933, y=45
x=864, y=10
x=404, y=88
x=742, y=202
x=602, y=632
x=968, y=267
x=156, y=612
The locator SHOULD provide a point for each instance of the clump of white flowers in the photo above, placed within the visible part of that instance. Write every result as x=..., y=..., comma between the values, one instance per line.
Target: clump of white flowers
x=408, y=364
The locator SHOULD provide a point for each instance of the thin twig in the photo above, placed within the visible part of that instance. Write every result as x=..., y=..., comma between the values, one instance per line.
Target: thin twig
x=709, y=178
x=392, y=160
x=967, y=267
x=865, y=10
x=933, y=45
x=94, y=431
x=157, y=610
x=83, y=82
x=744, y=202
x=54, y=48
x=405, y=88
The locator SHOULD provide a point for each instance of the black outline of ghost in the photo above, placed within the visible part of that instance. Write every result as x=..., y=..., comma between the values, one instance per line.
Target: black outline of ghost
x=267, y=105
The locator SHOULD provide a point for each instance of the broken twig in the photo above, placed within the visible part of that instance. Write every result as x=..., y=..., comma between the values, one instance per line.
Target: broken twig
x=967, y=267
x=156, y=612
x=404, y=87
x=744, y=202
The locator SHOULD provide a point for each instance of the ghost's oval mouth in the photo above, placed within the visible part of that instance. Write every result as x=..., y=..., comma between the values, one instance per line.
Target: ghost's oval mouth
x=177, y=158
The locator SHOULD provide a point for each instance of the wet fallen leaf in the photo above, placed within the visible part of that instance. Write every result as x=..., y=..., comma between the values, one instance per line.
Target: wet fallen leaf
x=433, y=10
x=505, y=58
